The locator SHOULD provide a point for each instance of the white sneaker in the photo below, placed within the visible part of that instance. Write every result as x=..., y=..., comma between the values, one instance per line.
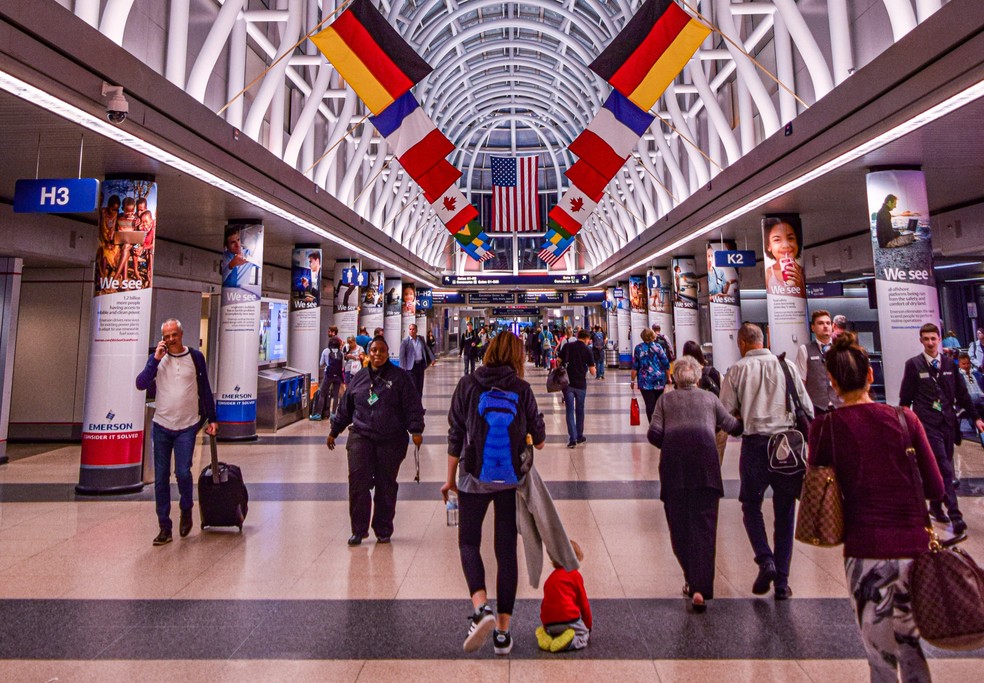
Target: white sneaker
x=481, y=627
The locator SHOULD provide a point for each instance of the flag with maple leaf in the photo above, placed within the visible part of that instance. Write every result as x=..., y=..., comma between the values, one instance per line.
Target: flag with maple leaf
x=572, y=210
x=453, y=209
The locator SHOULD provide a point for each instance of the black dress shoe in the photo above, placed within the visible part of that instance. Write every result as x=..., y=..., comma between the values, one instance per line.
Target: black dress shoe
x=581, y=440
x=184, y=527
x=767, y=574
x=783, y=593
x=938, y=514
x=356, y=539
x=383, y=539
x=163, y=538
x=959, y=527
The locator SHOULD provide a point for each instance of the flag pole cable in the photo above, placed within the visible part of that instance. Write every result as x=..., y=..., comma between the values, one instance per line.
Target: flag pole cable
x=623, y=205
x=404, y=208
x=745, y=52
x=688, y=141
x=330, y=149
x=374, y=179
x=279, y=59
x=655, y=177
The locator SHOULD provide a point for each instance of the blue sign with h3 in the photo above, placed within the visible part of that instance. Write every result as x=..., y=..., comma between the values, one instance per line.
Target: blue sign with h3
x=56, y=195
x=734, y=259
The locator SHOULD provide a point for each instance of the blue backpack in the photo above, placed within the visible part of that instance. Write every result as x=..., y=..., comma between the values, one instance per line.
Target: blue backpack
x=498, y=410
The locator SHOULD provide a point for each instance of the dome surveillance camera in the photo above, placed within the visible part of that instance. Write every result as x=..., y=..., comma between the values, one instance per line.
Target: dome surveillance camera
x=116, y=105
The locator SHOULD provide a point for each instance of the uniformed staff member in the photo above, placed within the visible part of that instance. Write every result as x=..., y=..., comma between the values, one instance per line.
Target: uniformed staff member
x=382, y=406
x=812, y=366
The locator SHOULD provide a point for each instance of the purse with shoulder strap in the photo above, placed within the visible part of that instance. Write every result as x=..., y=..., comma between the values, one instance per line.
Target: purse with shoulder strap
x=820, y=520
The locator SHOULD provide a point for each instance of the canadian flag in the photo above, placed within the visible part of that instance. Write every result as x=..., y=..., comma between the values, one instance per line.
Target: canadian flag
x=573, y=209
x=453, y=209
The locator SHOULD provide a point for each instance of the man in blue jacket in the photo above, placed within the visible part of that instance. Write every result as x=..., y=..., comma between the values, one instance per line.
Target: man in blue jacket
x=176, y=376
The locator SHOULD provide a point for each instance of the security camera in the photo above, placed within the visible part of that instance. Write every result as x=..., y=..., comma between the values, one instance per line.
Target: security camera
x=116, y=105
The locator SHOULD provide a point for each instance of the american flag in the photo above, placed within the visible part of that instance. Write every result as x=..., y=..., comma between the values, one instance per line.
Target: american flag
x=514, y=198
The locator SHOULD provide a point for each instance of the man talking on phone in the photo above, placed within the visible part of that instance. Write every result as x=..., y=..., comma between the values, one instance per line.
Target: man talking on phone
x=177, y=378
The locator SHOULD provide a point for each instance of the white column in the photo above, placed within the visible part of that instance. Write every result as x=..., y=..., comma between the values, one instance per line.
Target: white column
x=10, y=284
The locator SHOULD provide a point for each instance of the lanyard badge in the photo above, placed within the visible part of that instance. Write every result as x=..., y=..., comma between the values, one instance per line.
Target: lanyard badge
x=373, y=397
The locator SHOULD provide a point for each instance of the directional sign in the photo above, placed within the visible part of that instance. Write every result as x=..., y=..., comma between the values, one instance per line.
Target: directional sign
x=353, y=276
x=824, y=290
x=734, y=259
x=485, y=280
x=56, y=195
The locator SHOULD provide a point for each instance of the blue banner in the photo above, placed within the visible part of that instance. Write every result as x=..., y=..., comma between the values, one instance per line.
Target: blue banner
x=56, y=195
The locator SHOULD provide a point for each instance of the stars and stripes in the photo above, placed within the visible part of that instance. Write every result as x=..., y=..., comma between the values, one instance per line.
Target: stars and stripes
x=514, y=196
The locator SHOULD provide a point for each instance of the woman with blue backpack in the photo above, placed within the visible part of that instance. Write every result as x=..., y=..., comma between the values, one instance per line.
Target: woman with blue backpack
x=492, y=411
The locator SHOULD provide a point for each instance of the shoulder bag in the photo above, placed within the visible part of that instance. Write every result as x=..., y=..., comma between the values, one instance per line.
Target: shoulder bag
x=945, y=584
x=788, y=449
x=557, y=379
x=820, y=520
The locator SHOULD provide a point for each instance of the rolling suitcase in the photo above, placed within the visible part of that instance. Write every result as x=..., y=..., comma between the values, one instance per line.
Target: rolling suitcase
x=222, y=496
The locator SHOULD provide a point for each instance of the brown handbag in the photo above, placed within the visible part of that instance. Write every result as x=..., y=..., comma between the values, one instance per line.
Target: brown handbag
x=820, y=520
x=945, y=584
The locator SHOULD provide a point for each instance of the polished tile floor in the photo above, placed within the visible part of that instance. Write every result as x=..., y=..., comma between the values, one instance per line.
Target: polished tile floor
x=84, y=596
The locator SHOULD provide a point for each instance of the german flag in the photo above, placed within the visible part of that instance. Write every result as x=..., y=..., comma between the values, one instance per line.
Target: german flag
x=650, y=51
x=371, y=56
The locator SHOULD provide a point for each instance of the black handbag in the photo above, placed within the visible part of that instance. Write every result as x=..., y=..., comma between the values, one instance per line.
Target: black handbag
x=557, y=379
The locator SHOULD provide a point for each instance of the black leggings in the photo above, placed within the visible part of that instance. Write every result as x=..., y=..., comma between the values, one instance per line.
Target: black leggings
x=649, y=397
x=471, y=513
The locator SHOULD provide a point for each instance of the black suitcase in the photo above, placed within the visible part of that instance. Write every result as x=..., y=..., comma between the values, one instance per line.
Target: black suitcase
x=222, y=496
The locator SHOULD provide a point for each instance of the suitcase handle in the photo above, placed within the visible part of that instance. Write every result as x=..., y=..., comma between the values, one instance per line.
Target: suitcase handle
x=216, y=479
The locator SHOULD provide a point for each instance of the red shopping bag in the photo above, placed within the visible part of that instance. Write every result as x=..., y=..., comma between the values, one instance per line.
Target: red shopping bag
x=634, y=412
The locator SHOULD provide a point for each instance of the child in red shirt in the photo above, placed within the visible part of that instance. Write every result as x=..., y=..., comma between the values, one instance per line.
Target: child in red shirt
x=565, y=612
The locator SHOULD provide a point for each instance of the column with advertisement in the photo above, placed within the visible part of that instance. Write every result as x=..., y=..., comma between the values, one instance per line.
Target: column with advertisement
x=371, y=312
x=303, y=343
x=425, y=303
x=659, y=295
x=905, y=284
x=346, y=299
x=409, y=308
x=785, y=283
x=393, y=317
x=686, y=288
x=724, y=294
x=637, y=306
x=623, y=316
x=611, y=315
x=239, y=330
x=113, y=416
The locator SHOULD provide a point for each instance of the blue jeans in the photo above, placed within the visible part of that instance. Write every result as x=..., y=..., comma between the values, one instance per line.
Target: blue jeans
x=182, y=442
x=574, y=402
x=600, y=366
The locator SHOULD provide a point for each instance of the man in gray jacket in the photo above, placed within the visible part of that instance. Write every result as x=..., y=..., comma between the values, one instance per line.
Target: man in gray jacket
x=755, y=390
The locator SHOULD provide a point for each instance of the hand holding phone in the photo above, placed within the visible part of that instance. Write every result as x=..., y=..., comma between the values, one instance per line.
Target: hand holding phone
x=161, y=349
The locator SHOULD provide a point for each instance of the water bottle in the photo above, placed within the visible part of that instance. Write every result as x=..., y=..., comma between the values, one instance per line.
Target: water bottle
x=452, y=508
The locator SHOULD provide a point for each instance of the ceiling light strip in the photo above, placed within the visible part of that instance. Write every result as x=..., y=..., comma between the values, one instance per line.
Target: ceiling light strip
x=940, y=110
x=38, y=97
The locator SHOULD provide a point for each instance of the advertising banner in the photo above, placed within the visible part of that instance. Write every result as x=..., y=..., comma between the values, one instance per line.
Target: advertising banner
x=239, y=330
x=393, y=317
x=637, y=306
x=409, y=308
x=113, y=416
x=346, y=301
x=724, y=294
x=660, y=300
x=611, y=315
x=305, y=310
x=686, y=288
x=371, y=314
x=623, y=325
x=905, y=285
x=785, y=283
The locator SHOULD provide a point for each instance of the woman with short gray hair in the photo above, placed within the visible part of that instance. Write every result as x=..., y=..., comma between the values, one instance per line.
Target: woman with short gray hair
x=683, y=425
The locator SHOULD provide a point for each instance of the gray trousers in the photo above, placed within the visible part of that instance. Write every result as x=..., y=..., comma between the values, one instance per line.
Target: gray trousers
x=581, y=633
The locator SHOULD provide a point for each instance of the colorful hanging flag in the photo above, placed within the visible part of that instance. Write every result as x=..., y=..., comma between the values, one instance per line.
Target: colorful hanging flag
x=477, y=252
x=371, y=55
x=453, y=209
x=514, y=197
x=612, y=135
x=650, y=51
x=438, y=179
x=588, y=179
x=554, y=247
x=474, y=241
x=412, y=136
x=572, y=210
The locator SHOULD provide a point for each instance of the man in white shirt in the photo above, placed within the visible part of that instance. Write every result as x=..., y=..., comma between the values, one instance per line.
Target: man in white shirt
x=176, y=376
x=812, y=367
x=755, y=390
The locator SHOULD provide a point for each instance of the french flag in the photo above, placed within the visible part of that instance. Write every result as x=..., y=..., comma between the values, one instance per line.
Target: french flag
x=453, y=209
x=412, y=136
x=612, y=135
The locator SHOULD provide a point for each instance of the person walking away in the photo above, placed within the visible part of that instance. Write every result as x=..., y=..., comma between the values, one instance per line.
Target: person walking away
x=710, y=380
x=577, y=357
x=884, y=518
x=810, y=363
x=380, y=408
x=492, y=411
x=547, y=344
x=363, y=339
x=755, y=389
x=176, y=377
x=333, y=362
x=649, y=369
x=468, y=348
x=931, y=387
x=598, y=351
x=415, y=357
x=976, y=353
x=683, y=427
x=565, y=613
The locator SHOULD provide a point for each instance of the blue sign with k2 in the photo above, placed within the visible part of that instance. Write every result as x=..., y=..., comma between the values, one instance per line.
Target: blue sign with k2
x=56, y=195
x=734, y=259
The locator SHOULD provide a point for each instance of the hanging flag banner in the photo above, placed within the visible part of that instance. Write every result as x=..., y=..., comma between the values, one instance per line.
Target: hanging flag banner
x=611, y=315
x=660, y=301
x=412, y=136
x=241, y=269
x=623, y=318
x=303, y=348
x=686, y=288
x=515, y=205
x=409, y=308
x=113, y=416
x=393, y=317
x=785, y=283
x=371, y=313
x=724, y=294
x=637, y=305
x=346, y=299
x=905, y=283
